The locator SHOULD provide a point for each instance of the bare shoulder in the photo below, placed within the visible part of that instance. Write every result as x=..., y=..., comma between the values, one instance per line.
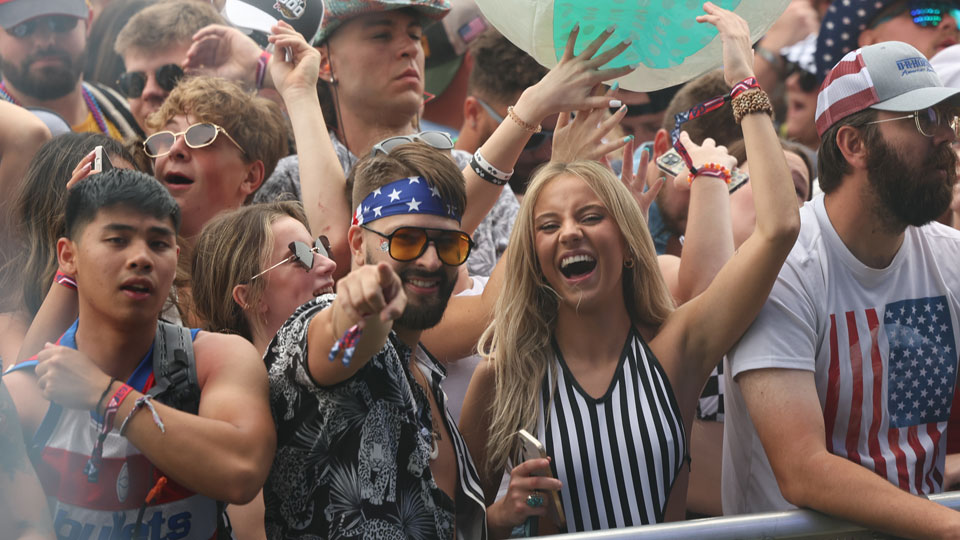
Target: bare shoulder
x=217, y=354
x=26, y=397
x=485, y=375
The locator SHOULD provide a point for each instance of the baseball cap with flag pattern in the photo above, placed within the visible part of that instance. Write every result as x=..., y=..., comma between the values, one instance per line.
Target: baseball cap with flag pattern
x=337, y=12
x=888, y=76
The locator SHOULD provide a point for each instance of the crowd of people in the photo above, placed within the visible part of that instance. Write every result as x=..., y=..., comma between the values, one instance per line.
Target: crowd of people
x=368, y=270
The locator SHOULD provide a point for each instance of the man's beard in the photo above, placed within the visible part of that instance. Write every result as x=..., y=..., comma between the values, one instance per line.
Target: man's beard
x=428, y=311
x=51, y=82
x=910, y=195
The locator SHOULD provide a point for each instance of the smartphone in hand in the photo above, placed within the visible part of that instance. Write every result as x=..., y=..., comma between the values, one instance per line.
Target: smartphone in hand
x=672, y=163
x=101, y=162
x=531, y=448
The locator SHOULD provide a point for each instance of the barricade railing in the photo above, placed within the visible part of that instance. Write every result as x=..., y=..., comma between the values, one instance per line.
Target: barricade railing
x=768, y=526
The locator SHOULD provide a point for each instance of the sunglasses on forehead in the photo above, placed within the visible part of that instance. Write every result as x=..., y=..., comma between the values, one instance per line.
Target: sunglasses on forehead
x=924, y=13
x=196, y=136
x=409, y=243
x=132, y=83
x=55, y=23
x=437, y=139
x=303, y=254
x=536, y=139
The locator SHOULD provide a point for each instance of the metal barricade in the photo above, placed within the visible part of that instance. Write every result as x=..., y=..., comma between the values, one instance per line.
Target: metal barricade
x=769, y=526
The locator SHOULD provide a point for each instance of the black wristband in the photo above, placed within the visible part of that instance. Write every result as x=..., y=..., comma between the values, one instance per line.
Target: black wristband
x=483, y=173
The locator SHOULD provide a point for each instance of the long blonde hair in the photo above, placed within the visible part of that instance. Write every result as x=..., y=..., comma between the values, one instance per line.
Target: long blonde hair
x=518, y=341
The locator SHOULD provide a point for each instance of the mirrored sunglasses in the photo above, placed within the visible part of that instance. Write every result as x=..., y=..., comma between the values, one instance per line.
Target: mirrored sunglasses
x=929, y=120
x=437, y=139
x=132, y=83
x=409, y=243
x=196, y=136
x=55, y=23
x=535, y=141
x=924, y=13
x=303, y=254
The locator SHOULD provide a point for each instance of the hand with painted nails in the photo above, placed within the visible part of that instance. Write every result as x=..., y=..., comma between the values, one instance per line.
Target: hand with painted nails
x=735, y=35
x=635, y=183
x=586, y=136
x=82, y=170
x=571, y=84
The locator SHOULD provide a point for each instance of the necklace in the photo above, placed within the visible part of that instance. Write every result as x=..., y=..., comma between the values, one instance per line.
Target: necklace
x=427, y=420
x=88, y=98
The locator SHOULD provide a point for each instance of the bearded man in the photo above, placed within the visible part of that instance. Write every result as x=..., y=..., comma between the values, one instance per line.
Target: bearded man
x=367, y=447
x=849, y=370
x=42, y=48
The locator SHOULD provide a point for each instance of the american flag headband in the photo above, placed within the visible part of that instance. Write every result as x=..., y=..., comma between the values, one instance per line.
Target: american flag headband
x=701, y=109
x=411, y=195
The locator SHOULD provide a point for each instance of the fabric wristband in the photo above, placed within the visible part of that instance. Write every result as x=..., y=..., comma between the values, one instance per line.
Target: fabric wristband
x=66, y=280
x=750, y=83
x=92, y=468
x=145, y=400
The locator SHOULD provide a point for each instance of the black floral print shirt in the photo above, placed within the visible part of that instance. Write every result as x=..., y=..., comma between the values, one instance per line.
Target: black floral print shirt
x=350, y=460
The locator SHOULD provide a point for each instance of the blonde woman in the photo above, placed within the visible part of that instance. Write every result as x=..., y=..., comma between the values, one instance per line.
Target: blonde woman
x=587, y=352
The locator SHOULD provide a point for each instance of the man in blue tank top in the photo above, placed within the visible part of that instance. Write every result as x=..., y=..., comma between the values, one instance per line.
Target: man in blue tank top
x=112, y=460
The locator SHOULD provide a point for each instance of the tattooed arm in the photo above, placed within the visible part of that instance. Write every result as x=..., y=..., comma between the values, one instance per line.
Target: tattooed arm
x=23, y=508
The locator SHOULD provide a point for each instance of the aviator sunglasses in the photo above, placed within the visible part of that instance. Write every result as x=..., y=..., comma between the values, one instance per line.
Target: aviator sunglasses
x=409, y=243
x=924, y=13
x=55, y=23
x=436, y=139
x=196, y=136
x=132, y=83
x=303, y=254
x=928, y=120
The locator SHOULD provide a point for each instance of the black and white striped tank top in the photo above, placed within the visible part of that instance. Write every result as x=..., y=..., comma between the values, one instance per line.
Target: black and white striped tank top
x=617, y=456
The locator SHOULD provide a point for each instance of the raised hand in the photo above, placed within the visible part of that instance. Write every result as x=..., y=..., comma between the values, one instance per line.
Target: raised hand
x=223, y=51
x=570, y=85
x=701, y=154
x=302, y=71
x=585, y=137
x=635, y=183
x=735, y=35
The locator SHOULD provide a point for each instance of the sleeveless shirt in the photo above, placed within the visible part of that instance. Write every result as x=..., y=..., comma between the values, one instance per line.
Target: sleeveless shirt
x=107, y=509
x=617, y=456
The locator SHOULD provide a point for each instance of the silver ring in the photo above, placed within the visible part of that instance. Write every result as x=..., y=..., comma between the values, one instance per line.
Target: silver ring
x=535, y=500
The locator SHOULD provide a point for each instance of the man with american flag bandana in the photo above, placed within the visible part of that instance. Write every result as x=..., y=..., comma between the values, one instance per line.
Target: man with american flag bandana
x=839, y=394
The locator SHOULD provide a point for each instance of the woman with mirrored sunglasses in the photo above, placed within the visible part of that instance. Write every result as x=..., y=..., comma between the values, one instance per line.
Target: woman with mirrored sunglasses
x=253, y=266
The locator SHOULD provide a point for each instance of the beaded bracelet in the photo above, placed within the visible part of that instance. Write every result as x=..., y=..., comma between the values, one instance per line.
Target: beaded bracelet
x=262, y=62
x=714, y=170
x=66, y=280
x=523, y=124
x=751, y=102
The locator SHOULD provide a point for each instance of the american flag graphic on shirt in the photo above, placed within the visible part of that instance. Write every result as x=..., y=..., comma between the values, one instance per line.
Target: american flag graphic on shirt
x=889, y=413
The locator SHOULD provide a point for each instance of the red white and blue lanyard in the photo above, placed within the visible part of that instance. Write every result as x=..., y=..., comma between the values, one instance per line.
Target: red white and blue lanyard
x=87, y=98
x=701, y=109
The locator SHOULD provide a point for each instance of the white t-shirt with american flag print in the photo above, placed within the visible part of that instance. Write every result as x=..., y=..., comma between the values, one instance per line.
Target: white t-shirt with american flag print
x=882, y=344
